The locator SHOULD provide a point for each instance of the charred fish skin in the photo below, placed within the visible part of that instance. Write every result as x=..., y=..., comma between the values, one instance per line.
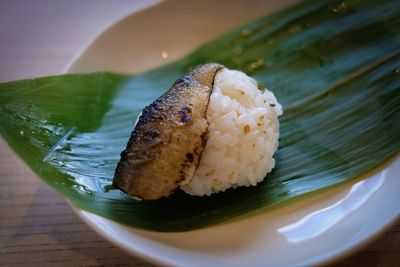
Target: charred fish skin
x=165, y=147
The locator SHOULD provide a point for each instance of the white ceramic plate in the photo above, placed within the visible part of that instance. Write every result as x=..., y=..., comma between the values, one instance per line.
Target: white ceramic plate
x=312, y=231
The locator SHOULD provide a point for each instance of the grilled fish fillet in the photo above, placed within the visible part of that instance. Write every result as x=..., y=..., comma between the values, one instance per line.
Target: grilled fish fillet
x=166, y=145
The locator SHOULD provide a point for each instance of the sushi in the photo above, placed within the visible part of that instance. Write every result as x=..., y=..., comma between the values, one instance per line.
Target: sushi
x=214, y=129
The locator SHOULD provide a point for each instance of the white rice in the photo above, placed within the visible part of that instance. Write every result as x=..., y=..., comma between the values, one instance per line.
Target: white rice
x=243, y=135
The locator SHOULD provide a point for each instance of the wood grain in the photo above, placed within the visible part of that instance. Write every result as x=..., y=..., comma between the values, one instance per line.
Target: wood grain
x=37, y=226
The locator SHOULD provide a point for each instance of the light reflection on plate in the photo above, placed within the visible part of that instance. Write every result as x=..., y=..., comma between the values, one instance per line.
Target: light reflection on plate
x=322, y=220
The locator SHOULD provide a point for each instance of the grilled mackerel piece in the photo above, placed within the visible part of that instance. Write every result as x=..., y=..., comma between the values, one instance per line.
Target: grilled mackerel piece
x=166, y=145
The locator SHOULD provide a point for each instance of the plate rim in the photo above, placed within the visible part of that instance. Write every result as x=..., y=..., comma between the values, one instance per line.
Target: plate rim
x=70, y=63
x=333, y=258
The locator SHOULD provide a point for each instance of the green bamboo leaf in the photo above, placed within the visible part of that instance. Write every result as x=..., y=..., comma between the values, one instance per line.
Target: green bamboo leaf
x=334, y=66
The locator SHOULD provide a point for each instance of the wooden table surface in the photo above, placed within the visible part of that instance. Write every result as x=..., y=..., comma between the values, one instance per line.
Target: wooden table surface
x=37, y=227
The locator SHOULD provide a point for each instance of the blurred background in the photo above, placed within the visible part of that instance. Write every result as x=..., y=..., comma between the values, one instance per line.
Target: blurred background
x=40, y=37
